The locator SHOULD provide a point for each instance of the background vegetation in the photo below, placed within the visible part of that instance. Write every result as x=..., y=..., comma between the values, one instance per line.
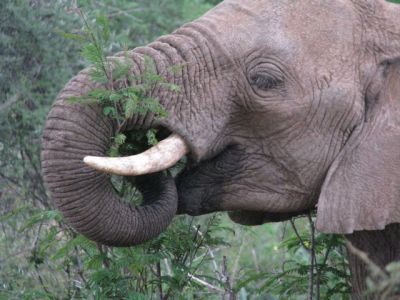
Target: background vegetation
x=208, y=257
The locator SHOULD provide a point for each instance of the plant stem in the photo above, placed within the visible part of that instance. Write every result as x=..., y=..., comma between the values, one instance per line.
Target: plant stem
x=312, y=260
x=160, y=290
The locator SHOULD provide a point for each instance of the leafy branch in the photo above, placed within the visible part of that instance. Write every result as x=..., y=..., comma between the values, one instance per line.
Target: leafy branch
x=119, y=97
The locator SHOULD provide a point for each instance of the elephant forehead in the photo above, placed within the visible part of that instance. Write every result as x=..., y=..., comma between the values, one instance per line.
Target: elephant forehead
x=313, y=29
x=241, y=27
x=322, y=29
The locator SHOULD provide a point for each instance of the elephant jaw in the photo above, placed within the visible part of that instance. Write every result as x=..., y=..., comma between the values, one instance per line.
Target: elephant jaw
x=158, y=158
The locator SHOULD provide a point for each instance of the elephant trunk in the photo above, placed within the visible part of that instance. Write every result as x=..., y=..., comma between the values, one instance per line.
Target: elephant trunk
x=87, y=197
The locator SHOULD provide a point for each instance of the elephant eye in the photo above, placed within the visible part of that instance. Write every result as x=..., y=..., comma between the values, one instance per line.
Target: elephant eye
x=266, y=81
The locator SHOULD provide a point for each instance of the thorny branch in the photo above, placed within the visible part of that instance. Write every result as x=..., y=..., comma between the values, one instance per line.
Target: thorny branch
x=228, y=288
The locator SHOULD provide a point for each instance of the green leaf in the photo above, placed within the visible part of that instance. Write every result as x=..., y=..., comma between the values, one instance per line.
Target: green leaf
x=176, y=69
x=79, y=241
x=120, y=139
x=40, y=217
x=102, y=22
x=121, y=69
x=14, y=213
x=93, y=54
x=97, y=74
x=151, y=137
x=100, y=94
x=174, y=88
x=95, y=262
x=149, y=66
x=130, y=106
x=110, y=111
x=85, y=100
x=115, y=97
x=114, y=151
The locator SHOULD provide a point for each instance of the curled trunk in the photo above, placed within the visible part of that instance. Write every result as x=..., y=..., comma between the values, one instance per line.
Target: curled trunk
x=86, y=197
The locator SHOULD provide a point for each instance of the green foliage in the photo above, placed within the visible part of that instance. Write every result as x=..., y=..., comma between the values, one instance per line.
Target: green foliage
x=118, y=95
x=35, y=63
x=161, y=266
x=308, y=252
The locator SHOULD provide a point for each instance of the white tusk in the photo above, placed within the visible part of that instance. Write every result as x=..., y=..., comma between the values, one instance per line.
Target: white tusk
x=158, y=158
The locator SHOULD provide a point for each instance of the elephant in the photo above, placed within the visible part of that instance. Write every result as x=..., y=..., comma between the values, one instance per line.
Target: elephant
x=286, y=106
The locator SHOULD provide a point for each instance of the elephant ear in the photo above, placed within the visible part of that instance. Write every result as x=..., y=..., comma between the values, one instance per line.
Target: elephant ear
x=362, y=188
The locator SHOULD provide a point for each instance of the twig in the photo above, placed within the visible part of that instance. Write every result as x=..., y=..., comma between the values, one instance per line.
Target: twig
x=12, y=180
x=255, y=260
x=167, y=266
x=205, y=283
x=319, y=270
x=160, y=291
x=209, y=251
x=9, y=102
x=228, y=287
x=312, y=260
x=103, y=252
x=298, y=236
x=38, y=177
x=236, y=264
x=126, y=13
x=34, y=253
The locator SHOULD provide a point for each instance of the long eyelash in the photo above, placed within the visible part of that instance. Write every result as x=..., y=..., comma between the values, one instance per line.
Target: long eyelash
x=266, y=82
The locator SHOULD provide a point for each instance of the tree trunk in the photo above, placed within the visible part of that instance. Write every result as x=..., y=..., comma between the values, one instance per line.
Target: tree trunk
x=382, y=248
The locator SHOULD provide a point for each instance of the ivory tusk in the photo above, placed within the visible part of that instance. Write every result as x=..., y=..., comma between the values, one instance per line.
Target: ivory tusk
x=158, y=158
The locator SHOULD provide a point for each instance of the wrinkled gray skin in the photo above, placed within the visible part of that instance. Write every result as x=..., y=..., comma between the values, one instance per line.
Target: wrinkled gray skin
x=286, y=105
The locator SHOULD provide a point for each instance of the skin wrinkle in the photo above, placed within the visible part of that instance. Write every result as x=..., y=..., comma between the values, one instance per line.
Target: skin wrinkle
x=60, y=167
x=71, y=182
x=314, y=113
x=287, y=167
x=178, y=78
x=87, y=218
x=157, y=89
x=169, y=59
x=92, y=220
x=61, y=105
x=121, y=229
x=77, y=141
x=86, y=142
x=199, y=92
x=205, y=53
x=67, y=190
x=330, y=154
x=187, y=59
x=61, y=193
x=221, y=59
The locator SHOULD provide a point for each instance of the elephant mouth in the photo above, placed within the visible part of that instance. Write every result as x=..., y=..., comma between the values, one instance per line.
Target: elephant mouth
x=175, y=152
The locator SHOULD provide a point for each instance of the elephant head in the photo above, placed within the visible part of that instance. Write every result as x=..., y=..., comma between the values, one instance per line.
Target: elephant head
x=286, y=106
